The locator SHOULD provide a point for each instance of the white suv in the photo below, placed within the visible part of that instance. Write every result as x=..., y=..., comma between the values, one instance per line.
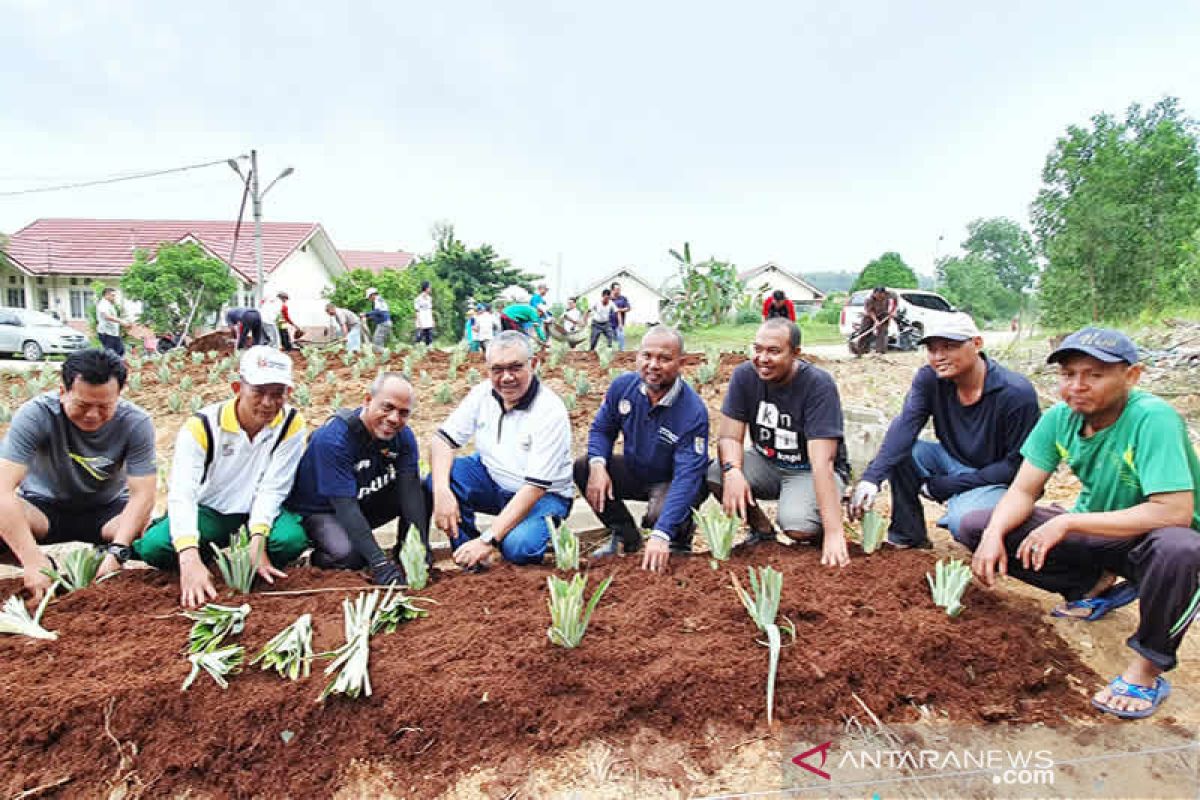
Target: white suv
x=920, y=307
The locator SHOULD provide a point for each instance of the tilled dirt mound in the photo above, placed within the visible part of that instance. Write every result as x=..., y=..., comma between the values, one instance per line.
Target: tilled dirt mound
x=478, y=683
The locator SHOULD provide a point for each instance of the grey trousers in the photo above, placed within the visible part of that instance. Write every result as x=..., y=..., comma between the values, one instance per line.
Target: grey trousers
x=798, y=509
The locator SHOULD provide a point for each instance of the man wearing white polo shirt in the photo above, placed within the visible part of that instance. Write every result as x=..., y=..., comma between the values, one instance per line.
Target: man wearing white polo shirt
x=521, y=470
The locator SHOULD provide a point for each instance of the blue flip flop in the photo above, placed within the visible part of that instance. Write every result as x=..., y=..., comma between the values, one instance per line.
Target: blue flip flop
x=1116, y=596
x=1154, y=695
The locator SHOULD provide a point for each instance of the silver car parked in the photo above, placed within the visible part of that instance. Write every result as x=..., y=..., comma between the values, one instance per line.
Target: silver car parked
x=34, y=334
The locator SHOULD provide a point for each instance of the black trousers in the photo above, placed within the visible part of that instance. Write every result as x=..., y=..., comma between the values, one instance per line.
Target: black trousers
x=628, y=486
x=1164, y=563
x=332, y=548
x=251, y=330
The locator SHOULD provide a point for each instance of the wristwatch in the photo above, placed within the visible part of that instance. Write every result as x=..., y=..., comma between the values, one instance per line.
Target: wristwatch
x=487, y=537
x=121, y=552
x=728, y=465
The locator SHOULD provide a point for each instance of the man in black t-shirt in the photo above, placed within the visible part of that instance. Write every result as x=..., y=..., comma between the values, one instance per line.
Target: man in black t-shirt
x=798, y=454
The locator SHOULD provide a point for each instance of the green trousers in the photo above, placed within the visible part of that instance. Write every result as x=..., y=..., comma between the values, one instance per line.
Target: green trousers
x=285, y=543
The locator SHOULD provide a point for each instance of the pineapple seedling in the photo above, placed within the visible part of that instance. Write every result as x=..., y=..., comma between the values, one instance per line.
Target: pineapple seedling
x=949, y=584
x=762, y=604
x=718, y=530
x=569, y=617
x=290, y=651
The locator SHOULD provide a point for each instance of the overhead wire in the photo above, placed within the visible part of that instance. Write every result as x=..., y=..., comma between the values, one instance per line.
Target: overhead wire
x=112, y=179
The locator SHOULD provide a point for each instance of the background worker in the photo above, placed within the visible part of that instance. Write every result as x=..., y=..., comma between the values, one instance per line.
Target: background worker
x=108, y=323
x=344, y=324
x=777, y=304
x=423, y=311
x=621, y=308
x=380, y=316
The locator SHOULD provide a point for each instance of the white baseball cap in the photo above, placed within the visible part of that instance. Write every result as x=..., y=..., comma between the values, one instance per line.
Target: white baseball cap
x=371, y=291
x=262, y=365
x=957, y=328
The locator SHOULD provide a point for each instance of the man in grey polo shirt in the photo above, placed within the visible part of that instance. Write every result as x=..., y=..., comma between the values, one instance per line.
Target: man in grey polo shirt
x=77, y=465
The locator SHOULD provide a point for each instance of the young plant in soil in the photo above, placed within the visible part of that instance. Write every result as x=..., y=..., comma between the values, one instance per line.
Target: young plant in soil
x=472, y=376
x=874, y=527
x=569, y=618
x=164, y=373
x=78, y=569
x=444, y=395
x=5, y=414
x=424, y=380
x=706, y=373
x=570, y=401
x=566, y=545
x=217, y=663
x=211, y=624
x=949, y=584
x=413, y=558
x=350, y=661
x=135, y=383
x=302, y=395
x=397, y=607
x=15, y=619
x=175, y=402
x=236, y=562
x=290, y=651
x=569, y=374
x=582, y=386
x=762, y=604
x=196, y=403
x=605, y=357
x=718, y=529
x=186, y=383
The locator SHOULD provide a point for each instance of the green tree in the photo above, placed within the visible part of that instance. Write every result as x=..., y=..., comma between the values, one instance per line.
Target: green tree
x=1119, y=202
x=478, y=272
x=701, y=293
x=887, y=270
x=972, y=284
x=1006, y=247
x=399, y=288
x=178, y=285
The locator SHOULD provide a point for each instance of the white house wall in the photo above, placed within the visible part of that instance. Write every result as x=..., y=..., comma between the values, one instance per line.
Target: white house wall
x=643, y=303
x=304, y=277
x=797, y=292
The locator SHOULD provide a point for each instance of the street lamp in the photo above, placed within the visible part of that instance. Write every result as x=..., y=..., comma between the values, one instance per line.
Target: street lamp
x=257, y=197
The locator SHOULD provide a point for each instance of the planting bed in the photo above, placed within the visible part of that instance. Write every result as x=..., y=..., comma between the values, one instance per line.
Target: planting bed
x=477, y=683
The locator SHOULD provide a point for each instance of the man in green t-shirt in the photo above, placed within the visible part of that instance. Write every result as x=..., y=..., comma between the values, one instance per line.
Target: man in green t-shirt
x=1136, y=516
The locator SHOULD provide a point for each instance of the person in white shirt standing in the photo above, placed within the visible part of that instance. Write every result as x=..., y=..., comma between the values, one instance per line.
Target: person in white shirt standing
x=423, y=306
x=270, y=310
x=521, y=469
x=486, y=325
x=108, y=324
x=234, y=464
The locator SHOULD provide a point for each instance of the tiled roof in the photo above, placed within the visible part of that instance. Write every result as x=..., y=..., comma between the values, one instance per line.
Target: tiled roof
x=106, y=246
x=376, y=260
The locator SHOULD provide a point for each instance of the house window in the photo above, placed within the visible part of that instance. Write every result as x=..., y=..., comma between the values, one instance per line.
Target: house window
x=12, y=278
x=74, y=281
x=14, y=298
x=81, y=301
x=43, y=297
x=41, y=281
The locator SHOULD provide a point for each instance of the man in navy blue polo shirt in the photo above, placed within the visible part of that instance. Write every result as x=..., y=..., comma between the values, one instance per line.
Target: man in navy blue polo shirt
x=359, y=472
x=665, y=428
x=981, y=413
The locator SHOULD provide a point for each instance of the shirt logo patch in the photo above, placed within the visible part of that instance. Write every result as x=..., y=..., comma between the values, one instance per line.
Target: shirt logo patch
x=699, y=446
x=624, y=406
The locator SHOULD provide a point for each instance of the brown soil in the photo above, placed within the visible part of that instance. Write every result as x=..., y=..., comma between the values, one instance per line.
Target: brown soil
x=478, y=683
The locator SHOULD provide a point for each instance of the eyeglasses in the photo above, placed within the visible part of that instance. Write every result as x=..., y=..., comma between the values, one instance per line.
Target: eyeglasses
x=516, y=368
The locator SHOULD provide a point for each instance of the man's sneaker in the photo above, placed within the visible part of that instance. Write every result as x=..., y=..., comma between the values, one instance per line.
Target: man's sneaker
x=757, y=537
x=629, y=541
x=610, y=548
x=924, y=544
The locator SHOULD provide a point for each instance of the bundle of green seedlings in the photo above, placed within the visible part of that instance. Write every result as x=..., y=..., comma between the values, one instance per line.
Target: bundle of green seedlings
x=706, y=373
x=949, y=584
x=351, y=659
x=212, y=623
x=566, y=545
x=236, y=562
x=217, y=663
x=397, y=607
x=569, y=617
x=718, y=530
x=413, y=557
x=582, y=386
x=79, y=569
x=15, y=618
x=605, y=356
x=290, y=651
x=762, y=604
x=874, y=528
x=444, y=395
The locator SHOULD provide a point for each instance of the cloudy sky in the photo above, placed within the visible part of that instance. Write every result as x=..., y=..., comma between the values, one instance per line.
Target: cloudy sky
x=814, y=134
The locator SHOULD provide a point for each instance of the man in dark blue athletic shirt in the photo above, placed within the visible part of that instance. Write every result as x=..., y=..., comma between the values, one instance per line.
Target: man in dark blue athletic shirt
x=359, y=472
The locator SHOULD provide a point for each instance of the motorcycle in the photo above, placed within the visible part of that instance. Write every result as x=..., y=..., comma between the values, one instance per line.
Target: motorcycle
x=908, y=335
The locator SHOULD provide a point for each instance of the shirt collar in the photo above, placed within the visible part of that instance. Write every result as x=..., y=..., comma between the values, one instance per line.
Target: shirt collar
x=526, y=399
x=670, y=397
x=229, y=422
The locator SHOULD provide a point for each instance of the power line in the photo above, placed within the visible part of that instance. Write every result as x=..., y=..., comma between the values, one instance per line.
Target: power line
x=114, y=179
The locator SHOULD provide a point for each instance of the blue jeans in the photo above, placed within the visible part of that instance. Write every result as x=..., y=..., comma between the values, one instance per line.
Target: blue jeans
x=477, y=492
x=620, y=332
x=930, y=460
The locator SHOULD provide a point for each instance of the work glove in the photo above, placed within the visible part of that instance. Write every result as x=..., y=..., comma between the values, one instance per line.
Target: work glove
x=387, y=572
x=862, y=499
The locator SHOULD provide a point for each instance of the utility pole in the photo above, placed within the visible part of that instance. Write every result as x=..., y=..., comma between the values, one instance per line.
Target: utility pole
x=258, y=255
x=257, y=196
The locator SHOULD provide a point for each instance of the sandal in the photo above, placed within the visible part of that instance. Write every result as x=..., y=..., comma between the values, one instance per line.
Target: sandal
x=1114, y=597
x=1154, y=695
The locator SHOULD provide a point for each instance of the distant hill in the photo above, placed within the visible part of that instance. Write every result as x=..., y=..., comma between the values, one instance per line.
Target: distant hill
x=831, y=281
